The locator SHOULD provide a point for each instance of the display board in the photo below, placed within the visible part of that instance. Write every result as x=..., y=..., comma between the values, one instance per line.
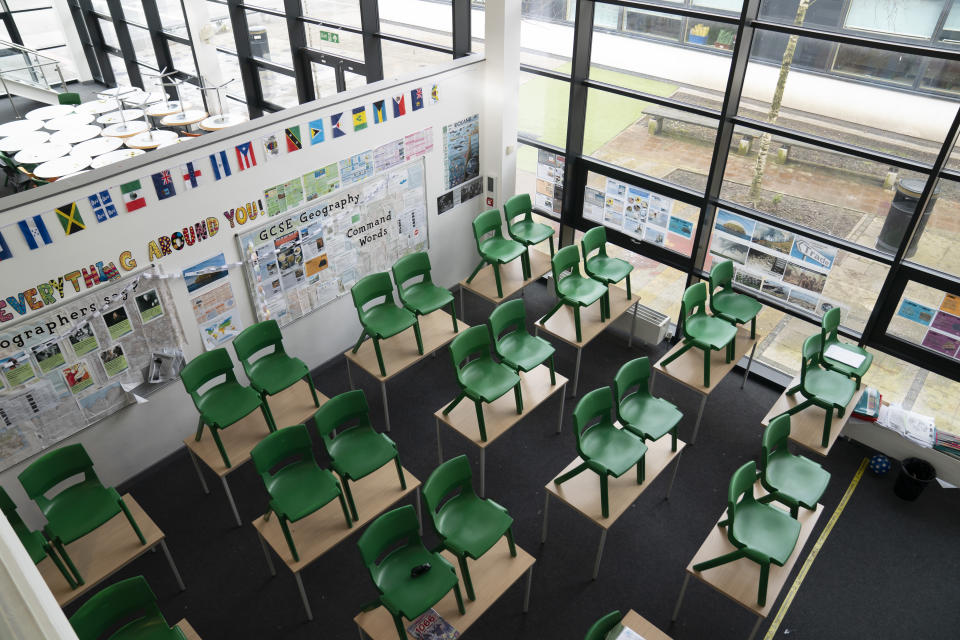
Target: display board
x=301, y=260
x=941, y=324
x=65, y=369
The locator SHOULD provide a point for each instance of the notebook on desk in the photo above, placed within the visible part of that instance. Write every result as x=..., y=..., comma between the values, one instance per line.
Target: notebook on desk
x=621, y=632
x=844, y=356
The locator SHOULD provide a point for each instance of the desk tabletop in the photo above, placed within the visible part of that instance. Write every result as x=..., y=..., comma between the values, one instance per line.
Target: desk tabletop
x=151, y=139
x=688, y=368
x=96, y=107
x=115, y=156
x=126, y=115
x=806, y=426
x=18, y=141
x=19, y=126
x=49, y=112
x=164, y=108
x=644, y=627
x=561, y=324
x=62, y=166
x=74, y=135
x=97, y=146
x=511, y=277
x=188, y=117
x=221, y=121
x=69, y=121
x=35, y=154
x=125, y=129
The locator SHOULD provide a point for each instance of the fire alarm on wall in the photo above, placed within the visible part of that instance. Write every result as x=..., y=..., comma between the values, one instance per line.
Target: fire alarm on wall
x=489, y=202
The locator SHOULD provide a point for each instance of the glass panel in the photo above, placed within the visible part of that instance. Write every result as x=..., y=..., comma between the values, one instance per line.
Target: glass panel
x=182, y=57
x=41, y=29
x=606, y=16
x=424, y=20
x=648, y=23
x=143, y=46
x=715, y=35
x=109, y=34
x=278, y=88
x=477, y=27
x=942, y=75
x=276, y=5
x=403, y=59
x=540, y=173
x=67, y=66
x=951, y=27
x=340, y=43
x=19, y=5
x=222, y=35
x=810, y=53
x=546, y=35
x=346, y=12
x=818, y=14
x=916, y=18
x=230, y=68
x=888, y=66
x=544, y=103
x=928, y=317
x=354, y=80
x=100, y=6
x=939, y=231
x=119, y=70
x=324, y=79
x=171, y=16
x=722, y=5
x=133, y=11
x=269, y=38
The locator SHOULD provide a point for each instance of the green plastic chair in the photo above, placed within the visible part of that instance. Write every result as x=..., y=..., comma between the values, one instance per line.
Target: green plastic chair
x=759, y=532
x=33, y=541
x=273, y=372
x=467, y=525
x=421, y=297
x=725, y=303
x=599, y=629
x=829, y=329
x=384, y=319
x=69, y=98
x=701, y=330
x=526, y=231
x=296, y=483
x=78, y=509
x=638, y=411
x=514, y=344
x=391, y=548
x=821, y=387
x=794, y=481
x=496, y=250
x=605, y=449
x=223, y=404
x=601, y=267
x=116, y=605
x=355, y=449
x=573, y=289
x=481, y=379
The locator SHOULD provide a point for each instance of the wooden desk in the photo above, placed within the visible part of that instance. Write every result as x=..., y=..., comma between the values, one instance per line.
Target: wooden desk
x=511, y=278
x=561, y=324
x=582, y=492
x=644, y=627
x=188, y=631
x=400, y=351
x=500, y=415
x=293, y=405
x=492, y=575
x=106, y=550
x=806, y=427
x=688, y=368
x=321, y=531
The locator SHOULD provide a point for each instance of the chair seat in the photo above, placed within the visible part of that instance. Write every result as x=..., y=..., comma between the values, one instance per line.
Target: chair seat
x=797, y=478
x=425, y=297
x=359, y=451
x=301, y=489
x=765, y=531
x=524, y=351
x=32, y=541
x=735, y=307
x=81, y=508
x=649, y=417
x=529, y=232
x=828, y=387
x=614, y=449
x=386, y=319
x=147, y=629
x=472, y=526
x=486, y=379
x=227, y=403
x=275, y=372
x=707, y=332
x=580, y=291
x=408, y=595
x=607, y=269
x=846, y=369
x=499, y=249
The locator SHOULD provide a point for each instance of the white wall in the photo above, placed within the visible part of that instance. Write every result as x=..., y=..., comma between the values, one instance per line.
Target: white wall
x=140, y=435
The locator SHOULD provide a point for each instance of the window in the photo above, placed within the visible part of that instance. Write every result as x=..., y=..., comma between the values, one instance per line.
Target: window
x=939, y=232
x=171, y=16
x=540, y=173
x=890, y=66
x=545, y=41
x=182, y=57
x=143, y=47
x=714, y=35
x=345, y=12
x=278, y=88
x=324, y=79
x=109, y=34
x=648, y=23
x=423, y=20
x=269, y=38
x=343, y=44
x=543, y=109
x=133, y=11
x=403, y=59
x=914, y=18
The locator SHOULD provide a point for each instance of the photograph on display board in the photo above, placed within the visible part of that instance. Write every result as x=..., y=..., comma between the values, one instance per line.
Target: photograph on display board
x=734, y=225
x=616, y=189
x=803, y=299
x=726, y=248
x=195, y=280
x=773, y=238
x=149, y=306
x=747, y=279
x=946, y=323
x=814, y=253
x=78, y=377
x=760, y=260
x=114, y=361
x=654, y=235
x=775, y=289
x=49, y=356
x=806, y=278
x=951, y=304
x=118, y=322
x=941, y=343
x=681, y=227
x=17, y=369
x=916, y=312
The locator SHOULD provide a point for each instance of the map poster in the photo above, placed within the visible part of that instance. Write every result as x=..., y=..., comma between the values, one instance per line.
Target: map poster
x=461, y=151
x=215, y=311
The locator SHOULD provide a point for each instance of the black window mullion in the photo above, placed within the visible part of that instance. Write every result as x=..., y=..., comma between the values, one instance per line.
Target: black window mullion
x=96, y=42
x=372, y=49
x=127, y=51
x=461, y=28
x=161, y=48
x=12, y=29
x=297, y=32
x=248, y=70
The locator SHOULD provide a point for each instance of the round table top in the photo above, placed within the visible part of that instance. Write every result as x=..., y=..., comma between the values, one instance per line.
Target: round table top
x=114, y=116
x=123, y=130
x=69, y=121
x=164, y=108
x=19, y=126
x=113, y=91
x=142, y=98
x=115, y=156
x=150, y=139
x=74, y=135
x=50, y=112
x=97, y=146
x=190, y=116
x=97, y=107
x=61, y=166
x=173, y=142
x=44, y=152
x=222, y=121
x=23, y=140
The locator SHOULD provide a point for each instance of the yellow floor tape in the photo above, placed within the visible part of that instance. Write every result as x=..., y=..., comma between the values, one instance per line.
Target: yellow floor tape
x=788, y=600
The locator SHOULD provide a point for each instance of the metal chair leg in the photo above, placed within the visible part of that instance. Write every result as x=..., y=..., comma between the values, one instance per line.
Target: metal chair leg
x=483, y=427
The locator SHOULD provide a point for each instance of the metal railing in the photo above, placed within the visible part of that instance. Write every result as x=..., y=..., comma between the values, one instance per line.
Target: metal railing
x=27, y=66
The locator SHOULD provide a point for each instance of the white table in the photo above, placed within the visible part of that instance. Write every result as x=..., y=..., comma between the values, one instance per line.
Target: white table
x=69, y=121
x=142, y=98
x=23, y=140
x=64, y=166
x=184, y=118
x=222, y=121
x=125, y=130
x=73, y=135
x=112, y=92
x=151, y=139
x=97, y=107
x=19, y=126
x=115, y=156
x=98, y=146
x=41, y=153
x=173, y=142
x=50, y=112
x=114, y=116
x=164, y=109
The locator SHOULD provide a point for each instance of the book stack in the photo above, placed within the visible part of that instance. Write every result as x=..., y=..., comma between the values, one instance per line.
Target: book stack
x=947, y=443
x=916, y=427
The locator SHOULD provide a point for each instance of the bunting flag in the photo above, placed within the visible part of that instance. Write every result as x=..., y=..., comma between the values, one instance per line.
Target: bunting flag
x=336, y=124
x=35, y=232
x=399, y=108
x=271, y=146
x=191, y=175
x=220, y=164
x=245, y=156
x=435, y=94
x=379, y=111
x=163, y=183
x=416, y=99
x=132, y=196
x=292, y=135
x=359, y=118
x=69, y=217
x=316, y=131
x=102, y=205
x=5, y=253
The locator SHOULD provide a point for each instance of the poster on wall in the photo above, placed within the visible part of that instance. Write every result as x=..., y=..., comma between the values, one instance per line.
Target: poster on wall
x=215, y=312
x=549, y=192
x=942, y=324
x=461, y=151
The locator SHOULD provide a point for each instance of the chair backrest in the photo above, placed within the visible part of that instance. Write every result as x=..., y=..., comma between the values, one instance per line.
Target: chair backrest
x=593, y=405
x=392, y=532
x=257, y=337
x=593, y=239
x=409, y=267
x=721, y=276
x=126, y=601
x=518, y=205
x=635, y=373
x=9, y=508
x=339, y=411
x=599, y=629
x=810, y=354
x=370, y=288
x=774, y=437
x=830, y=325
x=486, y=222
x=68, y=98
x=567, y=258
x=507, y=317
x=453, y=475
x=468, y=343
x=739, y=493
x=52, y=468
x=281, y=448
x=204, y=368
x=693, y=302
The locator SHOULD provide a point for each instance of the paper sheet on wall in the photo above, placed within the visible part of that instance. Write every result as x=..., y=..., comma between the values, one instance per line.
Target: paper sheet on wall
x=215, y=311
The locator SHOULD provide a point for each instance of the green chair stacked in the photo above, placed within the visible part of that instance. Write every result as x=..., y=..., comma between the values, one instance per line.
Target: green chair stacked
x=421, y=297
x=573, y=289
x=599, y=629
x=638, y=411
x=602, y=267
x=726, y=303
x=481, y=379
x=223, y=404
x=383, y=319
x=791, y=480
x=410, y=578
x=68, y=98
x=355, y=449
x=702, y=330
x=514, y=344
x=33, y=541
x=829, y=329
x=79, y=508
x=130, y=603
x=496, y=250
x=273, y=372
x=605, y=449
x=525, y=231
x=762, y=533
x=296, y=483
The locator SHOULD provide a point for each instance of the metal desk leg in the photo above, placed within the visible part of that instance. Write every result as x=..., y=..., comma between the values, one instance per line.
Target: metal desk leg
x=266, y=554
x=536, y=330
x=633, y=323
x=749, y=364
x=696, y=427
x=683, y=591
x=462, y=316
x=546, y=505
x=755, y=628
x=483, y=472
x=363, y=636
x=674, y=476
x=576, y=372
x=233, y=505
x=439, y=446
x=596, y=565
x=526, y=595
x=349, y=374
x=386, y=407
x=196, y=465
x=560, y=421
x=303, y=595
x=173, y=567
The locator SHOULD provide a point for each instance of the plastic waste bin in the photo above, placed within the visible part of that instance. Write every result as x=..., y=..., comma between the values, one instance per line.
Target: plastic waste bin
x=901, y=210
x=915, y=475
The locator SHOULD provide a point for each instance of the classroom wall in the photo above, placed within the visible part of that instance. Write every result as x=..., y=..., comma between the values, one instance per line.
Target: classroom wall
x=137, y=436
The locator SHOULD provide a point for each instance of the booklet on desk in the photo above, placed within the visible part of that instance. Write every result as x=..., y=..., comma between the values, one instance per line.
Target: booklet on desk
x=845, y=356
x=621, y=632
x=430, y=626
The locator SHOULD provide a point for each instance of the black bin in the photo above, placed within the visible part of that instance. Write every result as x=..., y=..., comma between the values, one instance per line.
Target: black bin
x=915, y=475
x=901, y=210
x=259, y=45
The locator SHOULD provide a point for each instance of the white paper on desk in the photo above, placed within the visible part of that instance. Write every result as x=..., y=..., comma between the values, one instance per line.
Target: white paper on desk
x=918, y=428
x=946, y=485
x=847, y=357
x=626, y=633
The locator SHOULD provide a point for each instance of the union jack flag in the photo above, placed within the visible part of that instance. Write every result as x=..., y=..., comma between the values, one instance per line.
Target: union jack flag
x=163, y=183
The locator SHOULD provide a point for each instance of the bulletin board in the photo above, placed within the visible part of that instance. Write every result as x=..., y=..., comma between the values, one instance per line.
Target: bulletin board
x=303, y=259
